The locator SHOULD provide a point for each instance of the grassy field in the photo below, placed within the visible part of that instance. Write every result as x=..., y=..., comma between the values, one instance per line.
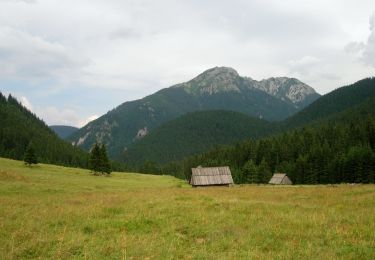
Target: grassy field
x=62, y=213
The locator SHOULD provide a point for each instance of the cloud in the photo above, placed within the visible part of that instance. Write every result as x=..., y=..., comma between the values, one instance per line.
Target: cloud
x=55, y=116
x=66, y=116
x=125, y=34
x=26, y=103
x=365, y=51
x=19, y=1
x=87, y=120
x=369, y=50
x=28, y=57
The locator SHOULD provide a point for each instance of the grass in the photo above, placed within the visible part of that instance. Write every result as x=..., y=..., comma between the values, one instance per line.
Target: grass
x=62, y=213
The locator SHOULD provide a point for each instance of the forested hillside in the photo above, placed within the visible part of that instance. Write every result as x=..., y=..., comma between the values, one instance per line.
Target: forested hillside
x=19, y=128
x=198, y=132
x=341, y=149
x=193, y=133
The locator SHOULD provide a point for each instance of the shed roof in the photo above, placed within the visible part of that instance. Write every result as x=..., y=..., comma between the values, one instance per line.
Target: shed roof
x=204, y=176
x=280, y=178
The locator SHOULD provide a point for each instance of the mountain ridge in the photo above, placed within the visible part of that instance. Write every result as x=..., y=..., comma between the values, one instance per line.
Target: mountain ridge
x=216, y=88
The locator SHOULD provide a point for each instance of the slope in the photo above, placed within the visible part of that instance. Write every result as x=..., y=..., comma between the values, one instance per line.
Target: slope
x=19, y=127
x=193, y=133
x=63, y=131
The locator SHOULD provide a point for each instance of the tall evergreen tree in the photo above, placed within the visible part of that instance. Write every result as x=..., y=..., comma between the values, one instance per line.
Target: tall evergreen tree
x=249, y=172
x=95, y=159
x=30, y=156
x=105, y=166
x=264, y=173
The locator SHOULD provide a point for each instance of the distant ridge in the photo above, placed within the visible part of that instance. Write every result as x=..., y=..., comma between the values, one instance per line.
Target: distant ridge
x=63, y=131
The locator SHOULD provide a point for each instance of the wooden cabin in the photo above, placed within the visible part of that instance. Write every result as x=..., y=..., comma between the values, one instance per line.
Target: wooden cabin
x=211, y=176
x=280, y=178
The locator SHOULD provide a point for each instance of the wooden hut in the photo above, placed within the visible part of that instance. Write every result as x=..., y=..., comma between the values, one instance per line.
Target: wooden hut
x=280, y=178
x=211, y=176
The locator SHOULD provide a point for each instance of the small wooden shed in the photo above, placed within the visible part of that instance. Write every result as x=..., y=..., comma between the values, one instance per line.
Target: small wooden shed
x=280, y=178
x=211, y=176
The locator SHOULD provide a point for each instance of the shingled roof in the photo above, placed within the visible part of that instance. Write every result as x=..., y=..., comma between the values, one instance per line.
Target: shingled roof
x=280, y=178
x=206, y=176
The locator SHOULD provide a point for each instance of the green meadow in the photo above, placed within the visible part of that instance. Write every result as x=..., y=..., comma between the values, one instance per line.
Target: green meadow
x=54, y=212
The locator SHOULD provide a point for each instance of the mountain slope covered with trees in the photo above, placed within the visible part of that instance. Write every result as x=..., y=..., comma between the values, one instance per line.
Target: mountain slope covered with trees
x=19, y=128
x=193, y=133
x=339, y=149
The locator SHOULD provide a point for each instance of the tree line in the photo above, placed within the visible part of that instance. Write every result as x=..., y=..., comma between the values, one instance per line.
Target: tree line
x=330, y=152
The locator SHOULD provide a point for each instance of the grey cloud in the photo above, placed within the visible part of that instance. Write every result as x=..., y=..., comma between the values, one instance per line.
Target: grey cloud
x=25, y=56
x=369, y=50
x=365, y=51
x=125, y=34
x=19, y=1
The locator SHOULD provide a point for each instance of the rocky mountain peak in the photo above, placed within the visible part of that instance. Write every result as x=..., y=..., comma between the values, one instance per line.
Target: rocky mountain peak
x=285, y=88
x=214, y=80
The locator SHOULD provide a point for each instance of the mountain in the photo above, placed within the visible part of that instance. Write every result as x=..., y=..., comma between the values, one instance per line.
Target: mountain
x=193, y=133
x=334, y=102
x=19, y=127
x=182, y=137
x=217, y=88
x=63, y=131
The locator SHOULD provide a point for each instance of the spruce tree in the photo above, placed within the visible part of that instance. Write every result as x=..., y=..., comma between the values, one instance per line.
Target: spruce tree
x=249, y=172
x=95, y=159
x=105, y=166
x=30, y=157
x=264, y=173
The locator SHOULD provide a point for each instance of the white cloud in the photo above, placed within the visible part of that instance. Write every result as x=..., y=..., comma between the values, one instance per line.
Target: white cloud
x=66, y=116
x=365, y=51
x=26, y=103
x=28, y=57
x=55, y=116
x=19, y=1
x=87, y=120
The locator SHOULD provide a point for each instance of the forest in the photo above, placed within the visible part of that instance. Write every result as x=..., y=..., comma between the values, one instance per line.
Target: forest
x=340, y=149
x=20, y=128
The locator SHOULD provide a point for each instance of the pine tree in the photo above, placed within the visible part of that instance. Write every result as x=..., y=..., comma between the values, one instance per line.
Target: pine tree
x=95, y=159
x=264, y=173
x=30, y=157
x=105, y=166
x=249, y=172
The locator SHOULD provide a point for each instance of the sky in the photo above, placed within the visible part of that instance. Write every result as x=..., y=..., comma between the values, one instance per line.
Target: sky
x=72, y=61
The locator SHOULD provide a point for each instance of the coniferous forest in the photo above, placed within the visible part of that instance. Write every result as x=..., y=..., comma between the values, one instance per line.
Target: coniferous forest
x=20, y=128
x=340, y=149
